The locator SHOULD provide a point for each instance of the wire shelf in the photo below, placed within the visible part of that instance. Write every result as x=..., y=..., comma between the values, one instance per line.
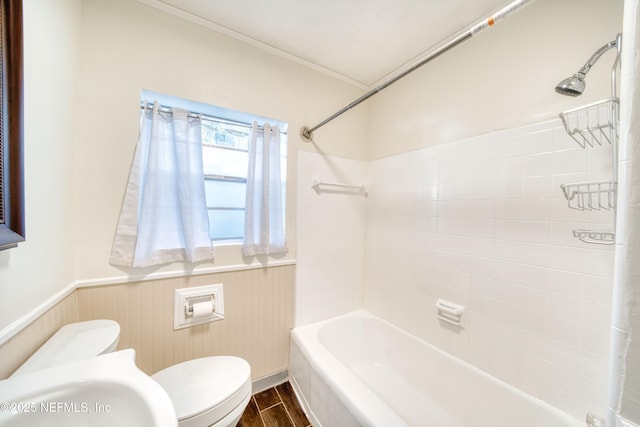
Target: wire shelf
x=592, y=124
x=596, y=237
x=588, y=196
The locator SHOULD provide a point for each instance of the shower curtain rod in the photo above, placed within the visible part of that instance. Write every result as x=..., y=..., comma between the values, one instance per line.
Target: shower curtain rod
x=306, y=133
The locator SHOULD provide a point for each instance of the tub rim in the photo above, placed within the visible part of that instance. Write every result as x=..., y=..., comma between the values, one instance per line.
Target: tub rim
x=368, y=408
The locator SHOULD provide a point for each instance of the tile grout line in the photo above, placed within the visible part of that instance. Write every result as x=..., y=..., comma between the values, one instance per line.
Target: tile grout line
x=285, y=407
x=263, y=423
x=272, y=406
x=275, y=404
x=259, y=411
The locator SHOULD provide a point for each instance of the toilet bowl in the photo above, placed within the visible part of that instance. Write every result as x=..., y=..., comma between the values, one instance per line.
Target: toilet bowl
x=211, y=391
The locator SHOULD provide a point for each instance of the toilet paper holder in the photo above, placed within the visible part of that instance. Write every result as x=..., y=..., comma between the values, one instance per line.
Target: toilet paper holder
x=198, y=305
x=190, y=302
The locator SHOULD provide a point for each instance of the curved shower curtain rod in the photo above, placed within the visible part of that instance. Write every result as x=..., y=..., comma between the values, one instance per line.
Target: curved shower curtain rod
x=306, y=133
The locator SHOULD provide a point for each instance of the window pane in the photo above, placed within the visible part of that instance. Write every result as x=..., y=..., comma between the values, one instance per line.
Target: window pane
x=221, y=134
x=219, y=161
x=225, y=194
x=226, y=224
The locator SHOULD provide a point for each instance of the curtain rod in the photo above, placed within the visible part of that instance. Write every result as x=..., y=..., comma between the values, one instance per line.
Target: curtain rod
x=306, y=133
x=203, y=116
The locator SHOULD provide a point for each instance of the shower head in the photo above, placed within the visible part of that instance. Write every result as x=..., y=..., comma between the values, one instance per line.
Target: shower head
x=574, y=85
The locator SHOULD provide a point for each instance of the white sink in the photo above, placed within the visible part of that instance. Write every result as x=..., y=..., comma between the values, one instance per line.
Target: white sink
x=107, y=390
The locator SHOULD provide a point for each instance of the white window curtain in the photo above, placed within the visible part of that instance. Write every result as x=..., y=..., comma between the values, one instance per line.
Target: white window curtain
x=264, y=214
x=164, y=215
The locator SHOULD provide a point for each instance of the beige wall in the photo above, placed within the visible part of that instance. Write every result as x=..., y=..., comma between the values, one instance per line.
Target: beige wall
x=258, y=317
x=14, y=352
x=43, y=265
x=128, y=46
x=502, y=78
x=86, y=62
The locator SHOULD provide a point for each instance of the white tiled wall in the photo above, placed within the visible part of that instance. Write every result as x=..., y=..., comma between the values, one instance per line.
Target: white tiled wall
x=331, y=230
x=483, y=222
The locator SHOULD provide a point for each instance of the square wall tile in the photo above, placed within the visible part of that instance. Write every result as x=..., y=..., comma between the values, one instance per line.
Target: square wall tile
x=489, y=227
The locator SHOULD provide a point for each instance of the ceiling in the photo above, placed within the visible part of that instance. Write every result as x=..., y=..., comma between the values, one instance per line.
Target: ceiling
x=359, y=41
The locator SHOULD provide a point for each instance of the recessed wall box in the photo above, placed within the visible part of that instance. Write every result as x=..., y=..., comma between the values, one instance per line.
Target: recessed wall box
x=198, y=305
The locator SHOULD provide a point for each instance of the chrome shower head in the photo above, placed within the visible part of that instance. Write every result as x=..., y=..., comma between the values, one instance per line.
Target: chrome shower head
x=572, y=86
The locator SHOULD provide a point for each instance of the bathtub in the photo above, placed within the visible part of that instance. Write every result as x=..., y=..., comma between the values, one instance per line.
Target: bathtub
x=359, y=370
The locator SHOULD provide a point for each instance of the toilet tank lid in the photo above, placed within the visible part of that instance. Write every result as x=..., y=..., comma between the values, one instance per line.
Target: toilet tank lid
x=73, y=342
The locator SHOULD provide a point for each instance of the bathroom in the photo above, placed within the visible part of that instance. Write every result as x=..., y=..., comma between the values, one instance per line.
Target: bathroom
x=463, y=161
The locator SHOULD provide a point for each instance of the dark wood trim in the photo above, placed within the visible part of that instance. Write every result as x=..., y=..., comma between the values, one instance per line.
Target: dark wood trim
x=13, y=230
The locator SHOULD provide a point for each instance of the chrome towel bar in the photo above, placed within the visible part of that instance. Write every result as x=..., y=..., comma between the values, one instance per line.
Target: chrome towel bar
x=317, y=185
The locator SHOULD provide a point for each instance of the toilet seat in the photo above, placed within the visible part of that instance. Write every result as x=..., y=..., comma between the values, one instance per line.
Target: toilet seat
x=205, y=391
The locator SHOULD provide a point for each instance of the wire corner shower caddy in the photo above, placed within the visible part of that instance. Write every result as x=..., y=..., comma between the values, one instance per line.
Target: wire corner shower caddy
x=593, y=125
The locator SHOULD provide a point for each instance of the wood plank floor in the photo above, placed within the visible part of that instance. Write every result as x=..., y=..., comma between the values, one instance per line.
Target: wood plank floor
x=275, y=407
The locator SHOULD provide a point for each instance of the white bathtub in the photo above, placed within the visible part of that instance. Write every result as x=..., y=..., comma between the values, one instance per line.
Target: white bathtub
x=359, y=370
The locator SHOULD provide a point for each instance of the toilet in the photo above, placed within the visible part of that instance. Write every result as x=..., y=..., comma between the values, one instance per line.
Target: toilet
x=210, y=391
x=73, y=342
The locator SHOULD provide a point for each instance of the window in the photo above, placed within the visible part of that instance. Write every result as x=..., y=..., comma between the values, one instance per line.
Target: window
x=225, y=158
x=225, y=140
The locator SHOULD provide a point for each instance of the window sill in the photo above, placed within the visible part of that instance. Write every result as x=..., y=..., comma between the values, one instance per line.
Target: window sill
x=224, y=243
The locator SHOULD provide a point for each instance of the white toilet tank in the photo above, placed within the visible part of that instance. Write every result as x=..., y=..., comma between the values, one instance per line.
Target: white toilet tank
x=72, y=342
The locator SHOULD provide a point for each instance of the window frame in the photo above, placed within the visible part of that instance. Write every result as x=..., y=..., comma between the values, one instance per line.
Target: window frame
x=12, y=218
x=219, y=114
